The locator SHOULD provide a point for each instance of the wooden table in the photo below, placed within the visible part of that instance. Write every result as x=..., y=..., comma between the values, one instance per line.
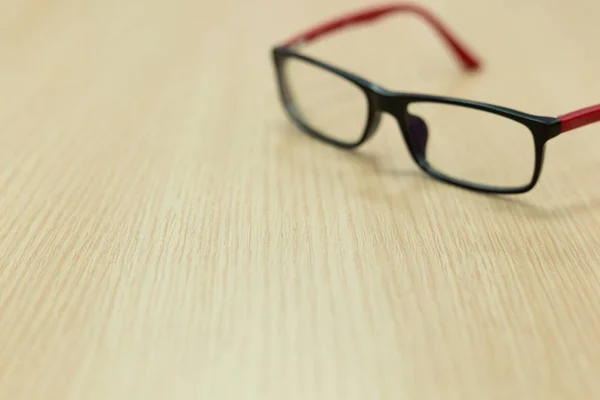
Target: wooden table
x=166, y=233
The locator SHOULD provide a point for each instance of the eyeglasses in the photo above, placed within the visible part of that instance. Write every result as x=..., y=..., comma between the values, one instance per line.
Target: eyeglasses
x=344, y=110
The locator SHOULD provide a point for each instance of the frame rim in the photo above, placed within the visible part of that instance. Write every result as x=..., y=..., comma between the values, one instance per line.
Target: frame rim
x=542, y=128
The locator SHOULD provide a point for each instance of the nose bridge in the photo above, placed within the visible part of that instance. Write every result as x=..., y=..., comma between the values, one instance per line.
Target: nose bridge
x=389, y=102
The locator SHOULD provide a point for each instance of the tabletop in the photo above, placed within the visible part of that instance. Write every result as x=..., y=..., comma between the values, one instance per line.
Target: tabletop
x=167, y=232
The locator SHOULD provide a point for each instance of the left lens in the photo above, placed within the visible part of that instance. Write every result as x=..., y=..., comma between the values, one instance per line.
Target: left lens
x=328, y=103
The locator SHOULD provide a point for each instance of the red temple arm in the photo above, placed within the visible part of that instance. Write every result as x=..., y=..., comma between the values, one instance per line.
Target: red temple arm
x=466, y=57
x=579, y=118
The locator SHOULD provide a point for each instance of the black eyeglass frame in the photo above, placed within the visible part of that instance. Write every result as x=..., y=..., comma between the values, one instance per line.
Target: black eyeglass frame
x=382, y=100
x=396, y=103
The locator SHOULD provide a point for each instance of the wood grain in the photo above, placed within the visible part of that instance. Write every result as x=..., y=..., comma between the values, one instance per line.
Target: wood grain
x=165, y=233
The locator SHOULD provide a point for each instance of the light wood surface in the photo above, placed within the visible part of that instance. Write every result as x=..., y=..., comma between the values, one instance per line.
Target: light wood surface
x=165, y=233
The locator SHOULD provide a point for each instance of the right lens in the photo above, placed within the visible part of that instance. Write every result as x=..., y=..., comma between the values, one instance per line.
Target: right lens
x=326, y=102
x=472, y=145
